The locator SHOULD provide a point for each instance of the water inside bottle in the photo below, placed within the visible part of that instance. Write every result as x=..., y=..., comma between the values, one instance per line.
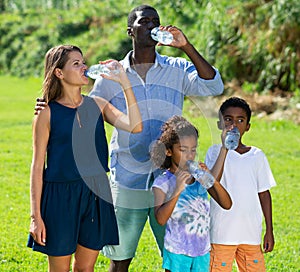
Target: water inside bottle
x=162, y=36
x=205, y=178
x=232, y=139
x=96, y=70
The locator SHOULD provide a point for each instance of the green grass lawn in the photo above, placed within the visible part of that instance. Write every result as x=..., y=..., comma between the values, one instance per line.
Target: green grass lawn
x=280, y=140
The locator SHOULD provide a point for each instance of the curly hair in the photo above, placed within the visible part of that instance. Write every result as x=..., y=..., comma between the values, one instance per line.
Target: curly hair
x=172, y=130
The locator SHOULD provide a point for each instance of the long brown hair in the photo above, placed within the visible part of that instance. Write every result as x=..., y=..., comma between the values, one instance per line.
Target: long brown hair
x=56, y=57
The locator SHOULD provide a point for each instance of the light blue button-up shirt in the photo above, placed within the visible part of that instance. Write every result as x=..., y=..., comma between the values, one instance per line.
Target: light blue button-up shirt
x=159, y=97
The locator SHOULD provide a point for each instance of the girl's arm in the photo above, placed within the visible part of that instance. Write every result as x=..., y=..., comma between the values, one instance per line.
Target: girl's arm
x=40, y=131
x=266, y=205
x=163, y=210
x=220, y=195
x=131, y=122
x=218, y=192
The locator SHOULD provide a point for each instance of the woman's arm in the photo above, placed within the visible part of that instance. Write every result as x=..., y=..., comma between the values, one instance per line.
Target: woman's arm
x=132, y=121
x=40, y=131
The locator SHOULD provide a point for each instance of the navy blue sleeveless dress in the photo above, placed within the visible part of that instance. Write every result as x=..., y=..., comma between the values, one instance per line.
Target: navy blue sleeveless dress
x=76, y=203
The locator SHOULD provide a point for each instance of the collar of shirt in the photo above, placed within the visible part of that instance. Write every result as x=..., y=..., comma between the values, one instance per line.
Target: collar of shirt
x=126, y=61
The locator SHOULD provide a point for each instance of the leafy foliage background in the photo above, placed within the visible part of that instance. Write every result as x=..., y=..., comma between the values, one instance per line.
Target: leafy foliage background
x=255, y=42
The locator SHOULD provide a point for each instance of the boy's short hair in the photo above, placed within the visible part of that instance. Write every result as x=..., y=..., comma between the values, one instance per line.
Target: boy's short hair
x=238, y=103
x=132, y=15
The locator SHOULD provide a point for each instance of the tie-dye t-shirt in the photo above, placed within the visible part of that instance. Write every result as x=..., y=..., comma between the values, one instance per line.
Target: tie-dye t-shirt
x=187, y=230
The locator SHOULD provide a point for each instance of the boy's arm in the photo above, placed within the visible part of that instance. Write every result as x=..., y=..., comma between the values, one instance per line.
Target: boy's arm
x=218, y=167
x=266, y=205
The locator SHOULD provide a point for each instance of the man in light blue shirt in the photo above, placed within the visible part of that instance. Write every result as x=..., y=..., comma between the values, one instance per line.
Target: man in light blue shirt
x=160, y=84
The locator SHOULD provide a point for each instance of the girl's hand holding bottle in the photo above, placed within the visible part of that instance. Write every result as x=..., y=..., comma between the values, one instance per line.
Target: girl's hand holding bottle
x=201, y=173
x=182, y=178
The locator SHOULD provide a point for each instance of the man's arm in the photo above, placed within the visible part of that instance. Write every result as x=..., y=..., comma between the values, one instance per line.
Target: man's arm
x=205, y=70
x=210, y=81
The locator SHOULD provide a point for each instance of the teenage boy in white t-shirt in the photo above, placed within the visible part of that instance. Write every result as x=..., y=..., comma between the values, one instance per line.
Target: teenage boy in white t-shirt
x=246, y=175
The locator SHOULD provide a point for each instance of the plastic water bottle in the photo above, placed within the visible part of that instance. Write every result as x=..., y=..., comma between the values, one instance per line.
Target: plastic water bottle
x=162, y=36
x=96, y=70
x=205, y=178
x=232, y=138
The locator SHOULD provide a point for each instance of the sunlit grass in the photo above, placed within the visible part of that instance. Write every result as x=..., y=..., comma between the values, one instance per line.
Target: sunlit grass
x=279, y=139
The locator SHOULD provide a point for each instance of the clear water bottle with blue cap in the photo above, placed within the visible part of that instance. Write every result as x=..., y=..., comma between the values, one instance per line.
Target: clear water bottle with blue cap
x=96, y=70
x=162, y=36
x=205, y=178
x=232, y=138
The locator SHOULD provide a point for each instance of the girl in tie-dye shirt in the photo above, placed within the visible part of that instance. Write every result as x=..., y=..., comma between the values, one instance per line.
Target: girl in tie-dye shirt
x=181, y=202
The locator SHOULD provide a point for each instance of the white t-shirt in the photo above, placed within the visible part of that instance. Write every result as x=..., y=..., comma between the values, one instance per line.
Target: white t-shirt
x=244, y=176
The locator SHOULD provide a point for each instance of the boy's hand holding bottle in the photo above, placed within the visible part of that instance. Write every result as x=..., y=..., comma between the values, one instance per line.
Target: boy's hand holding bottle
x=230, y=137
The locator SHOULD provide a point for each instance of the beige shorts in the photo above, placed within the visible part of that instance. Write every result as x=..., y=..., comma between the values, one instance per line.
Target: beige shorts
x=249, y=258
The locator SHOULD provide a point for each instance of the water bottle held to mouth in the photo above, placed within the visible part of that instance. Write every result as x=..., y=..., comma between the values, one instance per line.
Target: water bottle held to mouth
x=162, y=36
x=96, y=70
x=232, y=139
x=204, y=177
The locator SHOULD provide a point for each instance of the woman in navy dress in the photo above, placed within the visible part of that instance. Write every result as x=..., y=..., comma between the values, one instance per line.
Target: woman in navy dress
x=71, y=202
